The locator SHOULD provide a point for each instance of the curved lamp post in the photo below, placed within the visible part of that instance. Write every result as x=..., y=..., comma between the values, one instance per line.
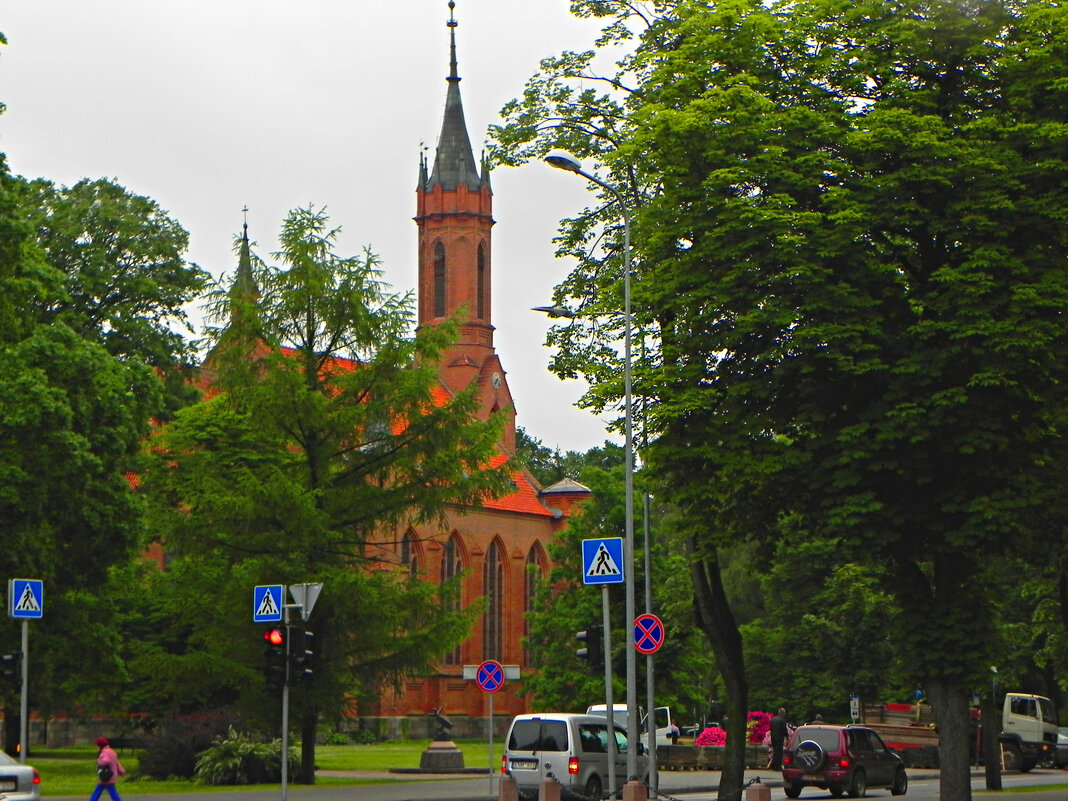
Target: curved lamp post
x=563, y=161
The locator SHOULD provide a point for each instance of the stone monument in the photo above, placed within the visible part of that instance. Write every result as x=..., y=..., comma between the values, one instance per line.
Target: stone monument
x=442, y=755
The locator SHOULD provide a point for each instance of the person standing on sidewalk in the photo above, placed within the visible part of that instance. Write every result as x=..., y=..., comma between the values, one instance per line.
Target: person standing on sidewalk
x=108, y=770
x=778, y=737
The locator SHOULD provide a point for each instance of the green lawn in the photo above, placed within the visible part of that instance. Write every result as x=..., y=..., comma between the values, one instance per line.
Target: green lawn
x=72, y=771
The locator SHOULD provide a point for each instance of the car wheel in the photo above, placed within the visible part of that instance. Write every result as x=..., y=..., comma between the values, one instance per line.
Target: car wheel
x=1027, y=765
x=859, y=786
x=835, y=790
x=809, y=756
x=593, y=787
x=1011, y=758
x=792, y=790
x=901, y=783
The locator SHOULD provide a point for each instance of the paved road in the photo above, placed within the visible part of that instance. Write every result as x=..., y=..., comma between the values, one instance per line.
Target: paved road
x=687, y=785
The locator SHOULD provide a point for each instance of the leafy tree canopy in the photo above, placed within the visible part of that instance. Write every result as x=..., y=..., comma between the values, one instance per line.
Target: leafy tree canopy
x=850, y=273
x=324, y=436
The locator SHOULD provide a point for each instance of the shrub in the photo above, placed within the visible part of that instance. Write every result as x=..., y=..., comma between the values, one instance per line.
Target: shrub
x=363, y=736
x=172, y=749
x=238, y=759
x=335, y=738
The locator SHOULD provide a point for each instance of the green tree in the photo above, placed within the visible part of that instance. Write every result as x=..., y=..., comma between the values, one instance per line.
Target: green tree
x=880, y=351
x=128, y=284
x=324, y=436
x=72, y=419
x=850, y=248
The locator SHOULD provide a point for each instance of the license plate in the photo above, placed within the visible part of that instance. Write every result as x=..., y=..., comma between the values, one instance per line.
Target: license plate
x=9, y=785
x=811, y=777
x=524, y=764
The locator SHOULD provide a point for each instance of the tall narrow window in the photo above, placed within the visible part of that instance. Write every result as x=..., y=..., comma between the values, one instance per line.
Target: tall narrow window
x=535, y=571
x=451, y=567
x=439, y=280
x=493, y=587
x=409, y=556
x=480, y=290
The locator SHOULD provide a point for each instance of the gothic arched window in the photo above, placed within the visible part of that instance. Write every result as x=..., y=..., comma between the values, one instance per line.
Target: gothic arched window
x=535, y=571
x=493, y=588
x=480, y=291
x=410, y=555
x=439, y=280
x=451, y=567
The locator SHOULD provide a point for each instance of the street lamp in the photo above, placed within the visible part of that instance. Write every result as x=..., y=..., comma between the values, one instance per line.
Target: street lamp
x=564, y=161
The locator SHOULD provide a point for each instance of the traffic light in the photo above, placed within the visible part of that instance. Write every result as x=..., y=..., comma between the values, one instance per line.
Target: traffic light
x=274, y=667
x=593, y=652
x=301, y=654
x=11, y=667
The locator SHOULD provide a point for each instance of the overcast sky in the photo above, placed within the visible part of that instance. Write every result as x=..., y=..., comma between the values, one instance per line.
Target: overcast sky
x=208, y=106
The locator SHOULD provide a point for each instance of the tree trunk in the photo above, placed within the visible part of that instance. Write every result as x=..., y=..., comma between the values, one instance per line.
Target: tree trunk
x=950, y=706
x=715, y=619
x=307, y=748
x=991, y=752
x=12, y=731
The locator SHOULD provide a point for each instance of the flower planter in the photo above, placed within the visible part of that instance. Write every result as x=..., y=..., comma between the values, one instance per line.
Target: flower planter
x=705, y=757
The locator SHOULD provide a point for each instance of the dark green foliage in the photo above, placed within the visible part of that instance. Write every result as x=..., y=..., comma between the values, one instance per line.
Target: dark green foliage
x=850, y=260
x=239, y=759
x=175, y=745
x=82, y=333
x=549, y=466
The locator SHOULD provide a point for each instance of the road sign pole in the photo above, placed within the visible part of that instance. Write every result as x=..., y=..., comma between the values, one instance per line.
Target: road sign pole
x=285, y=734
x=608, y=695
x=285, y=710
x=491, y=771
x=23, y=708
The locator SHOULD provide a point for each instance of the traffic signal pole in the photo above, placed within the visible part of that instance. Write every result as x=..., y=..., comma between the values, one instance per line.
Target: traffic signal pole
x=285, y=709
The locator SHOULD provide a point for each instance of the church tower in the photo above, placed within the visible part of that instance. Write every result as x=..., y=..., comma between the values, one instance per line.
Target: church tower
x=455, y=216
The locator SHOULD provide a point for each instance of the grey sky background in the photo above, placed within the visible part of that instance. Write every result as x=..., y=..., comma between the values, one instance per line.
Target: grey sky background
x=208, y=106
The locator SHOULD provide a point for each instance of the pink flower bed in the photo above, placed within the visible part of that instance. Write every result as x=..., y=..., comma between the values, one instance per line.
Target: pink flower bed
x=757, y=725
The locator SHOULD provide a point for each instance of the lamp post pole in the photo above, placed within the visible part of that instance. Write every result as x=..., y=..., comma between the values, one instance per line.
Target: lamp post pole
x=570, y=164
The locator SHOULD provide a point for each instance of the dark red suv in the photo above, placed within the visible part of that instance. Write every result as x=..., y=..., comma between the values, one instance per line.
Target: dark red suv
x=841, y=759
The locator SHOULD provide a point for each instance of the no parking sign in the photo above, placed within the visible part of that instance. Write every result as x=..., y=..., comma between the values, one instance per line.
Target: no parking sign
x=648, y=634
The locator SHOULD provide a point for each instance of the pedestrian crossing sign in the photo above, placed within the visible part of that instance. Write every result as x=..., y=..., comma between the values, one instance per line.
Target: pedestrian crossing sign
x=602, y=561
x=25, y=599
x=267, y=603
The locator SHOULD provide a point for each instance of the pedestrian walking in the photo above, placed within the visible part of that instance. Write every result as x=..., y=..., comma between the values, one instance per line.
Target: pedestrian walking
x=778, y=737
x=108, y=770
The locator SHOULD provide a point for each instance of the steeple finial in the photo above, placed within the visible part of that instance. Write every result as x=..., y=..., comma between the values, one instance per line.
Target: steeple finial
x=454, y=162
x=452, y=23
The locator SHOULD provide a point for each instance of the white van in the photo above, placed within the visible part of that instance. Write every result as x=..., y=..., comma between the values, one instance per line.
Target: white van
x=661, y=719
x=572, y=747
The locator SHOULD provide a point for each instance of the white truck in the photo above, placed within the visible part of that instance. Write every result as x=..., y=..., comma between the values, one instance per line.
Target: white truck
x=1028, y=731
x=661, y=719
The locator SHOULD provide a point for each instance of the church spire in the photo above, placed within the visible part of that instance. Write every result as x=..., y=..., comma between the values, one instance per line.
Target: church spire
x=454, y=161
x=244, y=286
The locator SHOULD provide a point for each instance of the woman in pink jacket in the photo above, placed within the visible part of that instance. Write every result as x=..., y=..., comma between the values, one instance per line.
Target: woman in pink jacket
x=108, y=770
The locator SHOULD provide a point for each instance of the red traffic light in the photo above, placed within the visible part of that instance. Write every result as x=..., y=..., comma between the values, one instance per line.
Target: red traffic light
x=275, y=636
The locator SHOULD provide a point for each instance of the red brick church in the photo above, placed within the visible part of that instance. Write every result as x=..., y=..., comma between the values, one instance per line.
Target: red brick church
x=502, y=548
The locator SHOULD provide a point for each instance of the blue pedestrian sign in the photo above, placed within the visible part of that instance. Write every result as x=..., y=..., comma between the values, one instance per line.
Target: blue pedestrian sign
x=25, y=599
x=602, y=561
x=267, y=603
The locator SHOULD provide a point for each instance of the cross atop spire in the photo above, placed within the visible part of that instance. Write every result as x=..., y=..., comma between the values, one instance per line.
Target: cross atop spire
x=452, y=23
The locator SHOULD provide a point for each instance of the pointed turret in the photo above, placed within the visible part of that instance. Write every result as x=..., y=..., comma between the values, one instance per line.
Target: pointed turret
x=454, y=161
x=244, y=286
